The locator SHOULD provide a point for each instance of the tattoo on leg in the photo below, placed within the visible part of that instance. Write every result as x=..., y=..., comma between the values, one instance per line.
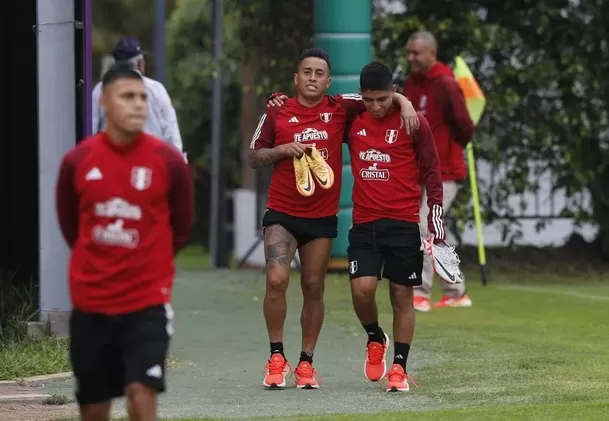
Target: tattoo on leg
x=279, y=244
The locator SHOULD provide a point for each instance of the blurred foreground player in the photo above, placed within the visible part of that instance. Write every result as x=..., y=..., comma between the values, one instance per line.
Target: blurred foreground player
x=387, y=163
x=125, y=207
x=302, y=140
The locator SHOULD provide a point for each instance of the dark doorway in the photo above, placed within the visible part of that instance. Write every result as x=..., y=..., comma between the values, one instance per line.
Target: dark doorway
x=18, y=142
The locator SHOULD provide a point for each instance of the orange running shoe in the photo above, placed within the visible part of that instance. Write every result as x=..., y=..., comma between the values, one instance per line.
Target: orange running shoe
x=397, y=379
x=277, y=369
x=304, y=376
x=375, y=367
x=445, y=301
x=421, y=303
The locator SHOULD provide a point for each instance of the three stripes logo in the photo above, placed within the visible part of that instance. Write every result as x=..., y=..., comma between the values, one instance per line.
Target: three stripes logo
x=293, y=120
x=437, y=221
x=362, y=132
x=258, y=131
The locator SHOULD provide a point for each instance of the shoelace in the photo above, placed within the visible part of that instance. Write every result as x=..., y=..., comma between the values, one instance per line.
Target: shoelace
x=306, y=371
x=447, y=255
x=275, y=366
x=399, y=377
x=316, y=165
x=376, y=352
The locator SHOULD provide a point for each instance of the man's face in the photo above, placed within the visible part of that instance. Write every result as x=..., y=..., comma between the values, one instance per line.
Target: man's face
x=378, y=102
x=420, y=55
x=312, y=78
x=125, y=103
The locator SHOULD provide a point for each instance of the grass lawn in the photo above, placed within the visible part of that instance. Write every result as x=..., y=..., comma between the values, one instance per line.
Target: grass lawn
x=533, y=347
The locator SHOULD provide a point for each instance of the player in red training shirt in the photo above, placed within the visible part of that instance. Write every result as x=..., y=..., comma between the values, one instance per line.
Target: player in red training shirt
x=125, y=208
x=302, y=203
x=387, y=163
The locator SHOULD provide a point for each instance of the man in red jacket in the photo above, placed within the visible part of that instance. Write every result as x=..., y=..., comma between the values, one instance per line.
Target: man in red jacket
x=125, y=208
x=435, y=93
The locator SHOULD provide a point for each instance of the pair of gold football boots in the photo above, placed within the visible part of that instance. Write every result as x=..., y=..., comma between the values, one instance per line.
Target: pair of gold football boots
x=309, y=166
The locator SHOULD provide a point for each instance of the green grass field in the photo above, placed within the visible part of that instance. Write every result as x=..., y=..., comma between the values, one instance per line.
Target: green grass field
x=533, y=347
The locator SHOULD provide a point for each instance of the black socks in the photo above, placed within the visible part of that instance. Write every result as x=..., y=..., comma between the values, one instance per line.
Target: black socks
x=277, y=348
x=307, y=357
x=375, y=333
x=401, y=353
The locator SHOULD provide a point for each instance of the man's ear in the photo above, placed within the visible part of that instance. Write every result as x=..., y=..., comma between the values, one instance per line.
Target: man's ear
x=329, y=82
x=102, y=102
x=394, y=89
x=295, y=79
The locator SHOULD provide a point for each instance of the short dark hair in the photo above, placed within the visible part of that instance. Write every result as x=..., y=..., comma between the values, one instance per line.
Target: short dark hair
x=315, y=52
x=375, y=77
x=120, y=71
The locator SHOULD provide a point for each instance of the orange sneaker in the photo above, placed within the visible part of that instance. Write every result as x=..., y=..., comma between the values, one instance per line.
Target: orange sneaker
x=421, y=303
x=304, y=376
x=277, y=369
x=375, y=367
x=463, y=301
x=397, y=379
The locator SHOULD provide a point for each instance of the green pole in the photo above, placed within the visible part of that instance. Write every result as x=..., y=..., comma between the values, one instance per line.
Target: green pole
x=343, y=28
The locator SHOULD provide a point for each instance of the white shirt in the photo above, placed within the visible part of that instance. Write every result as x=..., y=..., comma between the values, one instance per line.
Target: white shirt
x=162, y=120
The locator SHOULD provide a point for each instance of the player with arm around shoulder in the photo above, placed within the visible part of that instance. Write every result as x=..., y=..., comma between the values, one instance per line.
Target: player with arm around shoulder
x=125, y=208
x=386, y=163
x=302, y=140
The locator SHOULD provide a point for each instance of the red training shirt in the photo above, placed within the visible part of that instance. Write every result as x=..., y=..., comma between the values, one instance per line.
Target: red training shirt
x=437, y=95
x=125, y=212
x=386, y=163
x=322, y=125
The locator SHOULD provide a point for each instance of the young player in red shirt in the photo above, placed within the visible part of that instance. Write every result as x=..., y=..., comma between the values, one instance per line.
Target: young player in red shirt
x=432, y=88
x=125, y=208
x=303, y=202
x=387, y=163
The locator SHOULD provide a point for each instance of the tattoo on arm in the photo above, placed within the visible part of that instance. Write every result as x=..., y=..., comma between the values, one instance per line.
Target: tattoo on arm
x=262, y=158
x=280, y=246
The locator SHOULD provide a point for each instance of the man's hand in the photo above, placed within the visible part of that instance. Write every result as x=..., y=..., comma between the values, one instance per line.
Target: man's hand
x=276, y=100
x=435, y=223
x=295, y=149
x=410, y=119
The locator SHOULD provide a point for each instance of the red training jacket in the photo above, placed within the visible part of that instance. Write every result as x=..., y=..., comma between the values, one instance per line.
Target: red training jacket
x=437, y=95
x=125, y=212
x=322, y=125
x=387, y=163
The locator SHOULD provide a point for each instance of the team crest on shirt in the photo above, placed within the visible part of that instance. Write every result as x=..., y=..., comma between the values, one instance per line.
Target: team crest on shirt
x=391, y=136
x=325, y=117
x=141, y=178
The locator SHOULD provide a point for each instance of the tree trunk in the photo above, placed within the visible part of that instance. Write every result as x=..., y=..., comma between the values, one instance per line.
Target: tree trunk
x=249, y=117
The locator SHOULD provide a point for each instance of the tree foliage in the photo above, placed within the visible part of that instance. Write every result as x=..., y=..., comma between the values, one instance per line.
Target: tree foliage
x=541, y=65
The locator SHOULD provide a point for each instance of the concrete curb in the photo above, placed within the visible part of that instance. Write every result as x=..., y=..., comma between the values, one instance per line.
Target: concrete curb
x=32, y=381
x=16, y=391
x=25, y=397
x=48, y=377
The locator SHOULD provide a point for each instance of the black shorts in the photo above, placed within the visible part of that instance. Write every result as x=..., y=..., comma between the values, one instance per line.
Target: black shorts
x=110, y=352
x=387, y=244
x=304, y=230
